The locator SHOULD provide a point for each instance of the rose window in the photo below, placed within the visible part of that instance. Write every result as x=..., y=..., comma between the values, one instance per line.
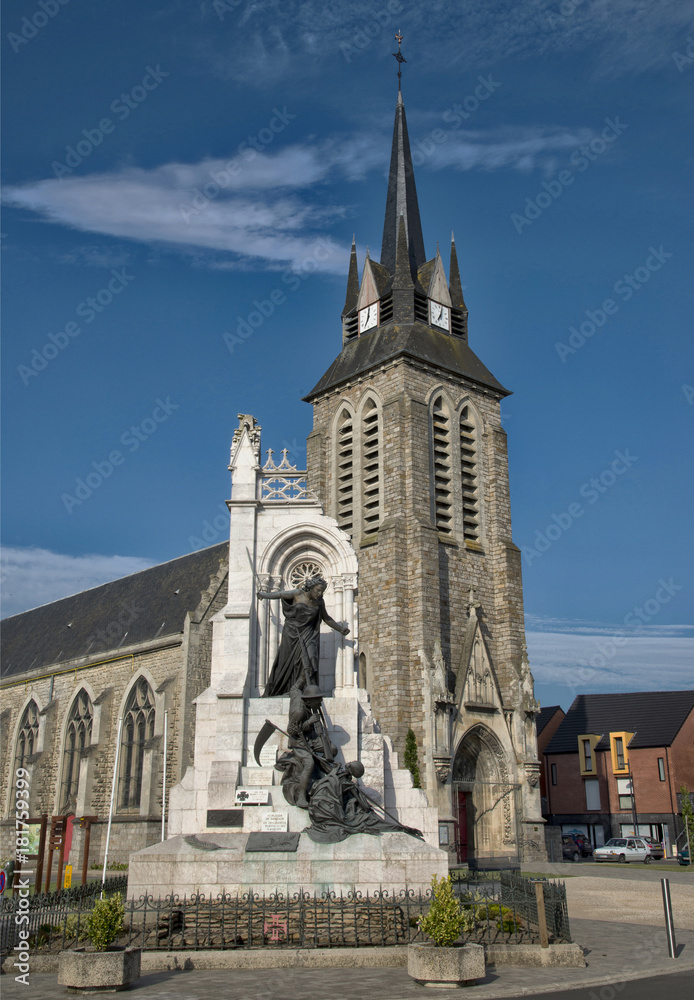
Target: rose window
x=302, y=572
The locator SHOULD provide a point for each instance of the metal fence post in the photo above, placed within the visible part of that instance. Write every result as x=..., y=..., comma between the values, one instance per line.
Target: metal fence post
x=669, y=922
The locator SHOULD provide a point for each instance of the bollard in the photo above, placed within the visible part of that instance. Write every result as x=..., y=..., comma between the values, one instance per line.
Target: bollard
x=669, y=922
x=541, y=916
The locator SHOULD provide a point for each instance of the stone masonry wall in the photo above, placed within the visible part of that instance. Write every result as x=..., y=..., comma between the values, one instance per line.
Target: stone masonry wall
x=413, y=583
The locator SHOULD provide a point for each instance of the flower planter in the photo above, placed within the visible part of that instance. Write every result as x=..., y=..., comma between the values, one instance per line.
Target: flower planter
x=84, y=970
x=445, y=967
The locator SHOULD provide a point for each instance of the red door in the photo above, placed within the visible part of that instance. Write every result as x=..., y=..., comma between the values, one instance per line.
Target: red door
x=462, y=827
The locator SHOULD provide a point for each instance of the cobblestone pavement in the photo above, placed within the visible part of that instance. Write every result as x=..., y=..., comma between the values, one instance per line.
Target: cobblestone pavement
x=615, y=954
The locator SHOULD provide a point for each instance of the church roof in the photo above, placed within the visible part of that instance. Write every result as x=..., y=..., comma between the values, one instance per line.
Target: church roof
x=414, y=340
x=654, y=717
x=137, y=608
x=401, y=199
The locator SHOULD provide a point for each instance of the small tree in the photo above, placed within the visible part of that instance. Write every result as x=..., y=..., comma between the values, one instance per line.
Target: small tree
x=105, y=921
x=687, y=813
x=445, y=919
x=412, y=757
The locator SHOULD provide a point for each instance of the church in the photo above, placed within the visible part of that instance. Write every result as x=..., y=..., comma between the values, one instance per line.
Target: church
x=153, y=685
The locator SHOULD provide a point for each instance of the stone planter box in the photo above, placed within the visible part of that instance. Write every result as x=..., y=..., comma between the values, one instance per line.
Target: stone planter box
x=445, y=967
x=84, y=970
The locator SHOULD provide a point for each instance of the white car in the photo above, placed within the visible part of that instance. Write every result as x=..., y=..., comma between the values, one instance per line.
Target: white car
x=623, y=849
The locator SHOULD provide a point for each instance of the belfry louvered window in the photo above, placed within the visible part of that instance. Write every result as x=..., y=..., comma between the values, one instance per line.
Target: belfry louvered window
x=443, y=487
x=469, y=475
x=345, y=471
x=370, y=466
x=78, y=736
x=138, y=728
x=27, y=737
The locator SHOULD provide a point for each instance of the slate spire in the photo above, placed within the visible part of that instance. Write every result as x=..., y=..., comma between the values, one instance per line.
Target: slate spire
x=352, y=281
x=456, y=288
x=402, y=199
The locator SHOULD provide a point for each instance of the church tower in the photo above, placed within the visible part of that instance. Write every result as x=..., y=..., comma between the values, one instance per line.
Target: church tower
x=408, y=454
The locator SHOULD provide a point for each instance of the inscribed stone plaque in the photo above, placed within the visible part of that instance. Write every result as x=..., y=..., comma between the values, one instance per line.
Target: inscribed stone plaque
x=268, y=756
x=275, y=822
x=272, y=841
x=225, y=817
x=252, y=796
x=260, y=777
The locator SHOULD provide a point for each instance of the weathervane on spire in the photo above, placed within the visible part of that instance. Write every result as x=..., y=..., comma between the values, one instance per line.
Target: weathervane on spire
x=400, y=57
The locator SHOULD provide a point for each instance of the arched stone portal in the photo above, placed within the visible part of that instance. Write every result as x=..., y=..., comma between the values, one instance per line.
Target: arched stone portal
x=484, y=799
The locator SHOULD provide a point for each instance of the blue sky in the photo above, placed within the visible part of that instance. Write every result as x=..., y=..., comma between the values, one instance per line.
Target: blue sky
x=170, y=166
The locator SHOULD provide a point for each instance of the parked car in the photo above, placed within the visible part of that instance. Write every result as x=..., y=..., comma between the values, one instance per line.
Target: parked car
x=569, y=848
x=656, y=848
x=584, y=845
x=624, y=849
x=683, y=857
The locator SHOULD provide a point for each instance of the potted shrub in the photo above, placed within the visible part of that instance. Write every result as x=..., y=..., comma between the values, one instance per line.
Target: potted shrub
x=105, y=966
x=442, y=962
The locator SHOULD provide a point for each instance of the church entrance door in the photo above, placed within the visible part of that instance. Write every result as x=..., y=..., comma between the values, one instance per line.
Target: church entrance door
x=461, y=839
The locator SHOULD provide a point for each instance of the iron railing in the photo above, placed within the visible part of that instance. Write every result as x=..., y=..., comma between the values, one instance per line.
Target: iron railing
x=498, y=911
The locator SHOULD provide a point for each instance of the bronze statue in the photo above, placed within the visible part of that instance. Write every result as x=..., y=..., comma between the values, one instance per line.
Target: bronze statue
x=297, y=658
x=310, y=750
x=338, y=807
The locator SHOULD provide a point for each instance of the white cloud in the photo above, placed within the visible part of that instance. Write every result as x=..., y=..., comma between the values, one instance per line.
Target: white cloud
x=274, y=210
x=32, y=577
x=598, y=657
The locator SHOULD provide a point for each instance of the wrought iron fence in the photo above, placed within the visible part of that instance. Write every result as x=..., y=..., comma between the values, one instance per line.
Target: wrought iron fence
x=302, y=920
x=521, y=890
x=48, y=911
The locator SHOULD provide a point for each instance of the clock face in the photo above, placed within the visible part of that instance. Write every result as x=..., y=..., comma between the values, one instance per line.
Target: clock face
x=440, y=315
x=368, y=317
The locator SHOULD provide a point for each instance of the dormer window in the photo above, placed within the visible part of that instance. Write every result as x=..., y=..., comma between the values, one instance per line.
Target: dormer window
x=439, y=315
x=368, y=317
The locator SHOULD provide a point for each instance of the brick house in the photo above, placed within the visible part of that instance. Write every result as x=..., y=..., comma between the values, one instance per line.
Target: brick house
x=616, y=763
x=547, y=722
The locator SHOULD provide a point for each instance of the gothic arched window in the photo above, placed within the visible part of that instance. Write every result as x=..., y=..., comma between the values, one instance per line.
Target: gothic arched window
x=345, y=471
x=443, y=486
x=78, y=736
x=138, y=728
x=27, y=738
x=370, y=466
x=469, y=474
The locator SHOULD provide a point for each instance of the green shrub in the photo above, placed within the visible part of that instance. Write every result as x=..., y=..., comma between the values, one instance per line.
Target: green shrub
x=105, y=921
x=411, y=758
x=446, y=919
x=504, y=918
x=71, y=930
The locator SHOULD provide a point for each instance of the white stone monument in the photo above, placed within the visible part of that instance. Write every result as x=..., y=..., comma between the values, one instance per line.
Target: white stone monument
x=279, y=537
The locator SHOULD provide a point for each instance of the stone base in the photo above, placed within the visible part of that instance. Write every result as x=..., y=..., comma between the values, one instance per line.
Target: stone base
x=445, y=967
x=362, y=862
x=84, y=970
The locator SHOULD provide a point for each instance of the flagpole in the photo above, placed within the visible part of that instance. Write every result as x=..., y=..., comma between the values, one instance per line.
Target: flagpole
x=110, y=809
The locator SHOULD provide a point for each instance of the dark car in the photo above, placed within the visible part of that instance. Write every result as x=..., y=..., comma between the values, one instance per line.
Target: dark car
x=570, y=849
x=584, y=844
